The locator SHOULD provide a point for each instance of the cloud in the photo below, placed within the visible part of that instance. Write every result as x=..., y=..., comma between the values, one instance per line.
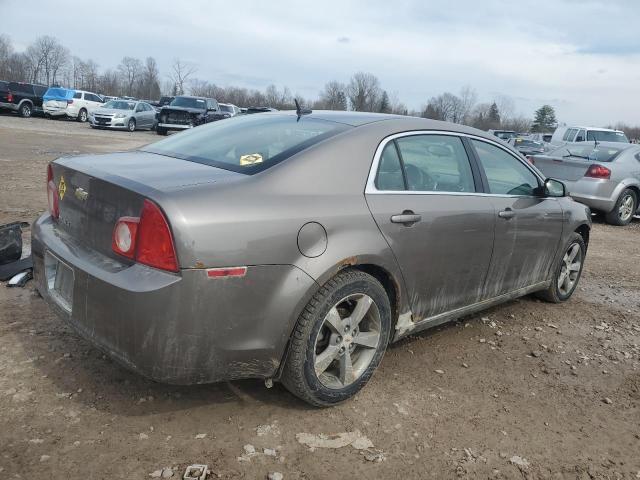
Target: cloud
x=344, y=40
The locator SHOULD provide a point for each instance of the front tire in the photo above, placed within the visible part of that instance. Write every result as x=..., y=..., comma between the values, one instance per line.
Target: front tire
x=339, y=340
x=25, y=110
x=82, y=115
x=567, y=274
x=625, y=209
x=131, y=126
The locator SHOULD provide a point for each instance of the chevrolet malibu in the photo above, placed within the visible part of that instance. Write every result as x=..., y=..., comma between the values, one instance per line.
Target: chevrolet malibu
x=295, y=246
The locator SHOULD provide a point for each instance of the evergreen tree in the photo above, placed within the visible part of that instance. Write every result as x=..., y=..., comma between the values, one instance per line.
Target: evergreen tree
x=545, y=119
x=494, y=115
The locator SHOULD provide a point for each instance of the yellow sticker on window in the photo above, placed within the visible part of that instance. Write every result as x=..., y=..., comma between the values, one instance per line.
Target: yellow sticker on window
x=250, y=159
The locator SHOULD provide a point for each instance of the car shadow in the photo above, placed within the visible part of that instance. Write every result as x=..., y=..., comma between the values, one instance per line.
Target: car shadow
x=79, y=370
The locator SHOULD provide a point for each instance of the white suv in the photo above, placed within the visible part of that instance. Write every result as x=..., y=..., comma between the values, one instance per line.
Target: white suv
x=79, y=107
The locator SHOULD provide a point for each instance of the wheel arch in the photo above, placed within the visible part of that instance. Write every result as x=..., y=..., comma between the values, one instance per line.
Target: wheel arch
x=584, y=231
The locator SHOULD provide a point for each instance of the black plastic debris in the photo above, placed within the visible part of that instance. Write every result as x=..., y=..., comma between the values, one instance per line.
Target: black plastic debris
x=11, y=241
x=12, y=269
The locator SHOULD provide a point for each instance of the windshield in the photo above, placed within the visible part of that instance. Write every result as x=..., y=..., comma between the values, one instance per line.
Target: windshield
x=119, y=105
x=188, y=102
x=604, y=136
x=247, y=144
x=588, y=152
x=226, y=108
x=505, y=135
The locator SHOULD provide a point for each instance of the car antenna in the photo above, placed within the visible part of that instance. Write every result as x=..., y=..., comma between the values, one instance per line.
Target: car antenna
x=301, y=111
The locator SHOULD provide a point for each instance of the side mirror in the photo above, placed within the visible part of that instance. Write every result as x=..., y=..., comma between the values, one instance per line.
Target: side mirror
x=554, y=188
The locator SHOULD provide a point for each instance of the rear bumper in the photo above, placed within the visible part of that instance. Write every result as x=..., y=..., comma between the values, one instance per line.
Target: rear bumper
x=9, y=106
x=176, y=328
x=600, y=195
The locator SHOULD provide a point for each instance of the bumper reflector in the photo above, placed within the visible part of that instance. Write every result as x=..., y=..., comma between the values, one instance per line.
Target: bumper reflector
x=226, y=272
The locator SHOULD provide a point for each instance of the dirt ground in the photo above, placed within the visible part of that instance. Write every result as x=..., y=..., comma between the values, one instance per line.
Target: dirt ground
x=524, y=390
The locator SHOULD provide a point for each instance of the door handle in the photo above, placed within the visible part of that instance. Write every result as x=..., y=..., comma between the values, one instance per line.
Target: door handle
x=407, y=218
x=507, y=213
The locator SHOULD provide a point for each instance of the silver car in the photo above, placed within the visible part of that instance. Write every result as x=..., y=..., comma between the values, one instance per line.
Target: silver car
x=605, y=176
x=124, y=115
x=294, y=246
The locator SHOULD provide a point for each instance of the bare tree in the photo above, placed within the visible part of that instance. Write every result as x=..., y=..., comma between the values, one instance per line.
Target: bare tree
x=149, y=80
x=46, y=58
x=333, y=97
x=364, y=92
x=130, y=68
x=506, y=106
x=181, y=71
x=6, y=51
x=468, y=98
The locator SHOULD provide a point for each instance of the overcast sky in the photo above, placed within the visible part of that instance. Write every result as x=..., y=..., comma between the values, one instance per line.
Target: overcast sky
x=581, y=56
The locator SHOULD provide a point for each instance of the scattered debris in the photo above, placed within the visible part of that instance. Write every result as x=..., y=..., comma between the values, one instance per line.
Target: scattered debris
x=200, y=436
x=439, y=372
x=519, y=462
x=607, y=400
x=249, y=449
x=275, y=476
x=166, y=472
x=356, y=439
x=272, y=429
x=371, y=456
x=536, y=353
x=401, y=409
x=143, y=436
x=195, y=472
x=44, y=458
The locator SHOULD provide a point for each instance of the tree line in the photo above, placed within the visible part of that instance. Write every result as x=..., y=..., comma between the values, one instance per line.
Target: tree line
x=48, y=62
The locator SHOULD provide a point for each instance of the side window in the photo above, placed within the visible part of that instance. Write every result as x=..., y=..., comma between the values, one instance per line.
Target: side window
x=505, y=173
x=77, y=95
x=571, y=134
x=389, y=176
x=436, y=163
x=581, y=137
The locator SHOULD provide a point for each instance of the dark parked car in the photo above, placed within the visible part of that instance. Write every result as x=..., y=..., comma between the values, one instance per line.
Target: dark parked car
x=187, y=112
x=295, y=246
x=24, y=98
x=165, y=101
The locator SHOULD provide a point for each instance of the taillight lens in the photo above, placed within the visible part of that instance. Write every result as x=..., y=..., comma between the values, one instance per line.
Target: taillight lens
x=123, y=241
x=146, y=239
x=598, y=171
x=52, y=194
x=10, y=97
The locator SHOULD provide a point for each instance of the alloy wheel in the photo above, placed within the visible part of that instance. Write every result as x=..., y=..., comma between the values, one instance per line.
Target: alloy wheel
x=347, y=341
x=570, y=269
x=626, y=209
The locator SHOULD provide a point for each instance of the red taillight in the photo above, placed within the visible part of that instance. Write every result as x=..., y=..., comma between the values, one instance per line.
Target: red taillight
x=146, y=239
x=598, y=171
x=10, y=97
x=52, y=194
x=124, y=236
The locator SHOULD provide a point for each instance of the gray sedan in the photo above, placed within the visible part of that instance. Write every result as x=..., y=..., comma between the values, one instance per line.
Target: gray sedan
x=295, y=246
x=605, y=176
x=124, y=115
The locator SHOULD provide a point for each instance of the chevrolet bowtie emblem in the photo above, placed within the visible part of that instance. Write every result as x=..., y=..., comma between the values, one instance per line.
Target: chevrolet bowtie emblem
x=81, y=194
x=62, y=188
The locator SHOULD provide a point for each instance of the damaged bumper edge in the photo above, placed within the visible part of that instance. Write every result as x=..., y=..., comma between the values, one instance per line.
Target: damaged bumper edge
x=175, y=328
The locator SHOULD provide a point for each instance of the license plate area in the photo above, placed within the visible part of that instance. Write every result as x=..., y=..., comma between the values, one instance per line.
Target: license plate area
x=59, y=278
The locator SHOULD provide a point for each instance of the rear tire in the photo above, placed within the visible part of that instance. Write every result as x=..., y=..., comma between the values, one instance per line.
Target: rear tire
x=131, y=126
x=161, y=131
x=25, y=110
x=566, y=274
x=625, y=209
x=339, y=340
x=82, y=115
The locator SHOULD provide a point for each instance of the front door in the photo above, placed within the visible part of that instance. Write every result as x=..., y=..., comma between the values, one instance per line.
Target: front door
x=528, y=226
x=424, y=199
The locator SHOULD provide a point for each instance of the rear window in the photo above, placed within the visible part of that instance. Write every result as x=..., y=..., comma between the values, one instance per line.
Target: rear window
x=521, y=142
x=21, y=87
x=589, y=152
x=247, y=144
x=593, y=135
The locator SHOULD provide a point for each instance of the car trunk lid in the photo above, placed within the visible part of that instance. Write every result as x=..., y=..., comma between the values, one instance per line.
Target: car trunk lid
x=568, y=168
x=95, y=191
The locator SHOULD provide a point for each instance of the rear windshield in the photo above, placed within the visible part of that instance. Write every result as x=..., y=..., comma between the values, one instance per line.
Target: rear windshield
x=120, y=105
x=21, y=87
x=589, y=152
x=247, y=144
x=187, y=102
x=600, y=136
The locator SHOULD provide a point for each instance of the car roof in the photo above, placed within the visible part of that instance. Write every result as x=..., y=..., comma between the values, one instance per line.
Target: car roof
x=597, y=129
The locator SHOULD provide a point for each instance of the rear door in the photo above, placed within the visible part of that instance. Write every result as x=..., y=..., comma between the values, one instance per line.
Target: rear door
x=423, y=195
x=528, y=227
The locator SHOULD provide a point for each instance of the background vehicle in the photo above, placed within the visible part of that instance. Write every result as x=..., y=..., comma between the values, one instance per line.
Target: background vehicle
x=187, y=112
x=541, y=137
x=605, y=177
x=78, y=107
x=124, y=114
x=504, y=134
x=259, y=110
x=229, y=108
x=231, y=251
x=587, y=134
x=526, y=146
x=23, y=98
x=165, y=101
